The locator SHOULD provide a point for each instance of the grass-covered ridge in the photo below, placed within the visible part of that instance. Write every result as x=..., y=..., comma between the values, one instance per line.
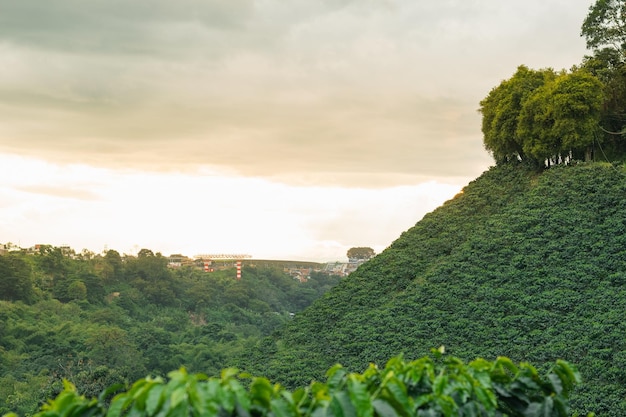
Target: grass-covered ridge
x=525, y=265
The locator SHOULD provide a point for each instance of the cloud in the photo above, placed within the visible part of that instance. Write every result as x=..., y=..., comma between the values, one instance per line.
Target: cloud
x=297, y=128
x=114, y=26
x=359, y=93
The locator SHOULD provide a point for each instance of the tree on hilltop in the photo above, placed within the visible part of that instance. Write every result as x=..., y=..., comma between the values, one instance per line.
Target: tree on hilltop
x=501, y=111
x=361, y=253
x=542, y=117
x=561, y=118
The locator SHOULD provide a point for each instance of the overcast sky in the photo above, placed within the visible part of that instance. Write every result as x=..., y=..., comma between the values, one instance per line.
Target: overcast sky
x=277, y=128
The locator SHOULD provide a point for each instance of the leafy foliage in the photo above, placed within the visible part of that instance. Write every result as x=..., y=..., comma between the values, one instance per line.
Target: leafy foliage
x=99, y=320
x=605, y=26
x=15, y=279
x=520, y=264
x=360, y=253
x=501, y=111
x=539, y=116
x=424, y=387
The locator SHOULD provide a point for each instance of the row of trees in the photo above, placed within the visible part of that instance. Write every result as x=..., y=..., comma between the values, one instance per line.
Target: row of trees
x=544, y=117
x=540, y=115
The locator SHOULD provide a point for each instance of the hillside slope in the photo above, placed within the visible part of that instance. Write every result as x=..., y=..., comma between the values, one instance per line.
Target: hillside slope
x=526, y=265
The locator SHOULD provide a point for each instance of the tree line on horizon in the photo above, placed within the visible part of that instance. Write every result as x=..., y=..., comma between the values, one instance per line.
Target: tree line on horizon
x=98, y=320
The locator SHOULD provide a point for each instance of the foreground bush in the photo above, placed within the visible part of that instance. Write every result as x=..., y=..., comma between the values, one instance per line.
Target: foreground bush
x=430, y=386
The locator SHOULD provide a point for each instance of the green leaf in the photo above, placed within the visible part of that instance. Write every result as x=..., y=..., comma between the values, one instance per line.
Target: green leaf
x=341, y=406
x=440, y=383
x=503, y=363
x=154, y=399
x=109, y=391
x=141, y=394
x=322, y=412
x=486, y=397
x=555, y=382
x=178, y=396
x=241, y=396
x=423, y=400
x=568, y=374
x=242, y=411
x=398, y=395
x=470, y=409
x=261, y=391
x=320, y=391
x=177, y=411
x=119, y=403
x=335, y=377
x=447, y=405
x=360, y=397
x=561, y=407
x=383, y=408
x=178, y=375
x=526, y=383
x=297, y=397
x=543, y=409
x=228, y=373
x=281, y=408
x=481, y=366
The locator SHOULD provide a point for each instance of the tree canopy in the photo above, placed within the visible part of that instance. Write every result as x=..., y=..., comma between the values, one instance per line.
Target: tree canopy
x=605, y=26
x=15, y=279
x=605, y=32
x=360, y=253
x=542, y=117
x=501, y=111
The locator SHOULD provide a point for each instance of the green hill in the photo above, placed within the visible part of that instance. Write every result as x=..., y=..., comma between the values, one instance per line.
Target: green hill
x=521, y=264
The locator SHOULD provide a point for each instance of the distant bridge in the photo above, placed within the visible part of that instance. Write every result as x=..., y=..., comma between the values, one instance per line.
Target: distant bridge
x=208, y=259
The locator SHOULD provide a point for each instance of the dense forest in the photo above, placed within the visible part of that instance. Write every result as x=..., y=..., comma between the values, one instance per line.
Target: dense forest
x=99, y=320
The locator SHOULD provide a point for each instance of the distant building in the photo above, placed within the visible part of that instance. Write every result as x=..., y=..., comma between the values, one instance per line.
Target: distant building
x=177, y=260
x=336, y=268
x=301, y=274
x=353, y=264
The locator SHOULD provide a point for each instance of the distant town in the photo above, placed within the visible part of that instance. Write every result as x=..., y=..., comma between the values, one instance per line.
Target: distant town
x=299, y=270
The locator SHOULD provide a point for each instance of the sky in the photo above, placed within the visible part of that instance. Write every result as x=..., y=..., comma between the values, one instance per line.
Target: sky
x=282, y=129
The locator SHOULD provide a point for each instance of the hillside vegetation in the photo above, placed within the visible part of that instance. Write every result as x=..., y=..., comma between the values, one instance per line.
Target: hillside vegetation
x=99, y=320
x=520, y=264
